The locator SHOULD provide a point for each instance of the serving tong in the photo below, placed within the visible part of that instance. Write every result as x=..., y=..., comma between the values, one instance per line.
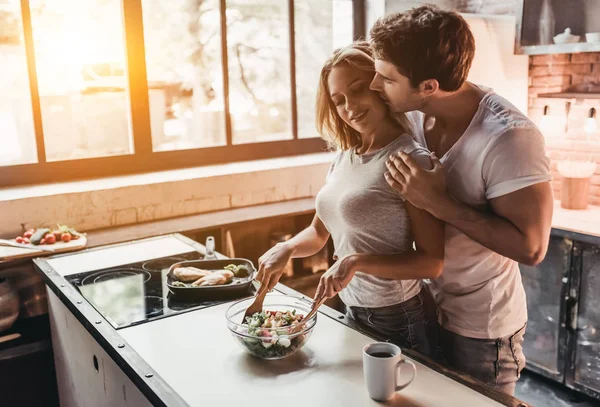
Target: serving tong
x=298, y=327
x=257, y=306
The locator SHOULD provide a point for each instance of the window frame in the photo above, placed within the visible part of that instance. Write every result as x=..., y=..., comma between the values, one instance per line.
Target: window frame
x=143, y=159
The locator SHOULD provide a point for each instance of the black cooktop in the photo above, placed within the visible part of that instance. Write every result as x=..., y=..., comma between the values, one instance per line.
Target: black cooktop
x=136, y=293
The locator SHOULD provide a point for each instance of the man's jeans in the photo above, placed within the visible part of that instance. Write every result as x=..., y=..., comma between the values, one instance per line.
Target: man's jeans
x=497, y=362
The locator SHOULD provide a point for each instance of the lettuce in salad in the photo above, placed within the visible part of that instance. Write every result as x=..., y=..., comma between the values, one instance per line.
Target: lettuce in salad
x=272, y=330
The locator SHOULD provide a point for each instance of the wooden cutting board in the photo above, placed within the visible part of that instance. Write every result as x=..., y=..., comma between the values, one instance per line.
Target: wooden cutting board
x=13, y=253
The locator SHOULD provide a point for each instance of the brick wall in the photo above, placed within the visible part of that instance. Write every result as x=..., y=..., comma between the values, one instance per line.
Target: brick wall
x=555, y=73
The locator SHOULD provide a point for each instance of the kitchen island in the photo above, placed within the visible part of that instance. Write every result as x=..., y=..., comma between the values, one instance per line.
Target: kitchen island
x=189, y=358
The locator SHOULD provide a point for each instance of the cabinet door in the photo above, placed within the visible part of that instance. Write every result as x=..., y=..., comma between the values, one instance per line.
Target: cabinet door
x=78, y=370
x=586, y=369
x=541, y=20
x=546, y=287
x=120, y=390
x=87, y=375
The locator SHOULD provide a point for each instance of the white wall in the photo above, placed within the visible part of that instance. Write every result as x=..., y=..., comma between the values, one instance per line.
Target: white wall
x=495, y=64
x=396, y=6
x=464, y=6
x=373, y=10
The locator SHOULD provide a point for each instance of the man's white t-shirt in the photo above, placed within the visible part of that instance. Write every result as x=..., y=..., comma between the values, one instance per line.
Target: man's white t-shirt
x=480, y=293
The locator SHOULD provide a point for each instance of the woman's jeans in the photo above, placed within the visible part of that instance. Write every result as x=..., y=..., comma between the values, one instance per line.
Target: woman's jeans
x=410, y=324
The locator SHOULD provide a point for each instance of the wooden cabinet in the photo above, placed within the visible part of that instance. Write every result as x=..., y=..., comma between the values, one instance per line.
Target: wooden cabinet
x=538, y=21
x=86, y=374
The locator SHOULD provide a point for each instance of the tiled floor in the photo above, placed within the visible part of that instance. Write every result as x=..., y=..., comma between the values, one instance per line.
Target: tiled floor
x=540, y=392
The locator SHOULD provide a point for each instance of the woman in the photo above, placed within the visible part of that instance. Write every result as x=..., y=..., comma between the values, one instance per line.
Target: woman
x=378, y=274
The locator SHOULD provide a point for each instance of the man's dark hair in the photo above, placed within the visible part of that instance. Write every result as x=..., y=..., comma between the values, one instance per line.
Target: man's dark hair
x=426, y=43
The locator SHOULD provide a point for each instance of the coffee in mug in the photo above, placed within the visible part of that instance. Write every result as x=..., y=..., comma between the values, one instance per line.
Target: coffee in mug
x=381, y=362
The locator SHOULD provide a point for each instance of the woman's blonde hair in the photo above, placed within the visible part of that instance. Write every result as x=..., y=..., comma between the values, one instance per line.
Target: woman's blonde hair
x=329, y=124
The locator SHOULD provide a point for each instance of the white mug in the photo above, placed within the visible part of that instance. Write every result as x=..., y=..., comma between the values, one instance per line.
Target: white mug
x=381, y=362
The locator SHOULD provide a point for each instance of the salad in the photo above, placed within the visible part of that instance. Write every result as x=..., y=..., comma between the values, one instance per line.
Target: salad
x=271, y=334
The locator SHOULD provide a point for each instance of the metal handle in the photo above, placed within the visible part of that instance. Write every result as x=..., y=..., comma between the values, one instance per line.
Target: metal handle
x=210, y=248
x=572, y=311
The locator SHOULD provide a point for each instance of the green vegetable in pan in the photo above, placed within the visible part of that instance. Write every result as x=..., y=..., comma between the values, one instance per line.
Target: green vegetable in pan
x=239, y=271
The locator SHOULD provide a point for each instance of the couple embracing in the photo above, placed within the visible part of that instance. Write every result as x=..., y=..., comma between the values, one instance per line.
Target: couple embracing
x=439, y=188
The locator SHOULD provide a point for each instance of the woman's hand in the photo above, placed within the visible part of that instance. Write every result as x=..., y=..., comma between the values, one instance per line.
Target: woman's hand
x=272, y=263
x=337, y=277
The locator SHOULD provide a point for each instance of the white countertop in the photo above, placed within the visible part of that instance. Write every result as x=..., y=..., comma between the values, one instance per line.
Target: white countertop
x=197, y=356
x=117, y=255
x=585, y=221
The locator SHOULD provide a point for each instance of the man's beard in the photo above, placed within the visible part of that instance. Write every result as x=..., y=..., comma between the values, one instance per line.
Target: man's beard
x=415, y=103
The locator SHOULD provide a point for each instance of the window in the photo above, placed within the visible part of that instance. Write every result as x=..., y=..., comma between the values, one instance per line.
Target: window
x=17, y=135
x=94, y=88
x=321, y=27
x=258, y=49
x=185, y=78
x=79, y=49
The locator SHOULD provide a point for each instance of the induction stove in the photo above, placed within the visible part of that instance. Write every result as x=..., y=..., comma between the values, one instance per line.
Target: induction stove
x=135, y=293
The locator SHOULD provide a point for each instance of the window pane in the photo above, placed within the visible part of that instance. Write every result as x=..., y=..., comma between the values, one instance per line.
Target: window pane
x=184, y=69
x=17, y=134
x=80, y=62
x=321, y=27
x=259, y=70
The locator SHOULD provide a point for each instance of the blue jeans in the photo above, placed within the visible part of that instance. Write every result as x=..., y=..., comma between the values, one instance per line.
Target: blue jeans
x=410, y=324
x=497, y=362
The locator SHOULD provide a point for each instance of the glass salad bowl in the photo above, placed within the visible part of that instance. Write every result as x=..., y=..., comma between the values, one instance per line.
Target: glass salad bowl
x=270, y=335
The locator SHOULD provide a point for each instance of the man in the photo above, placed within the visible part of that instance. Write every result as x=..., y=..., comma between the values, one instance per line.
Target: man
x=490, y=185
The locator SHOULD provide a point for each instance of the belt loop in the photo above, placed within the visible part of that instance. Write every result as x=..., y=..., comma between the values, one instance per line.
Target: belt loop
x=369, y=313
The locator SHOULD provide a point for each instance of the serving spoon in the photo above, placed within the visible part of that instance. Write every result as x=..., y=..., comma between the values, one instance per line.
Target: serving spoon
x=257, y=305
x=298, y=327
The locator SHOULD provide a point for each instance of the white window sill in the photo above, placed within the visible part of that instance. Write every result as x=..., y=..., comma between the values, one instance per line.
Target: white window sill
x=101, y=184
x=134, y=199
